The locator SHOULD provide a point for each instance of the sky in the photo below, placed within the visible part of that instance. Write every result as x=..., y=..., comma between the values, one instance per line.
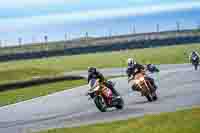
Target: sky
x=28, y=8
x=20, y=17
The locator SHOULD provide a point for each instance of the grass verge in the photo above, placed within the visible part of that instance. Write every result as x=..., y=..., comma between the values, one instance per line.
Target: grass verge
x=18, y=95
x=25, y=70
x=187, y=121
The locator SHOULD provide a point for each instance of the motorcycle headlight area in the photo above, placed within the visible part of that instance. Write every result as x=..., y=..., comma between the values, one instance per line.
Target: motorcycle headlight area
x=137, y=81
x=141, y=79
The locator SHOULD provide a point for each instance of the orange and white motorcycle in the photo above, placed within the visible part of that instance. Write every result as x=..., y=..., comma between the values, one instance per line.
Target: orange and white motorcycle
x=141, y=83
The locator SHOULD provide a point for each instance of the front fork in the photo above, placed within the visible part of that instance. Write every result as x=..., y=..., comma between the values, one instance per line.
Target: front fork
x=148, y=86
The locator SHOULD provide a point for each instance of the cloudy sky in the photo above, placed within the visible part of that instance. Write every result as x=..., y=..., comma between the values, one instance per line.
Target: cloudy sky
x=20, y=16
x=12, y=9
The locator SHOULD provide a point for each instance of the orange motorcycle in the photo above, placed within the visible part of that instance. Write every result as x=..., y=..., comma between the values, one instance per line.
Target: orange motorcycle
x=141, y=83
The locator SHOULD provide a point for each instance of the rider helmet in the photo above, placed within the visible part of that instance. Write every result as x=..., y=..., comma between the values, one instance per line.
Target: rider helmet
x=131, y=62
x=92, y=69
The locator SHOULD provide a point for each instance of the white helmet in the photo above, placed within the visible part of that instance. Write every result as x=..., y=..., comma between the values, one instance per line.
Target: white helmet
x=130, y=61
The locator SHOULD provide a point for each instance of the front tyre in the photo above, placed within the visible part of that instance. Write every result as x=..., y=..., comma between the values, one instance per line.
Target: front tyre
x=195, y=66
x=100, y=103
x=154, y=96
x=149, y=98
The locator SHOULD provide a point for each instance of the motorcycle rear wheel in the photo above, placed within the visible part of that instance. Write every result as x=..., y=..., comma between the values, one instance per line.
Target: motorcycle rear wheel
x=120, y=104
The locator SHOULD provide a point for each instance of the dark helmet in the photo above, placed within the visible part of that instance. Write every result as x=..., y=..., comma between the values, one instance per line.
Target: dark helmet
x=194, y=53
x=92, y=69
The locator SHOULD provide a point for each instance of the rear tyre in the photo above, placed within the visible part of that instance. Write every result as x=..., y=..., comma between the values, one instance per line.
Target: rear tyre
x=100, y=103
x=120, y=104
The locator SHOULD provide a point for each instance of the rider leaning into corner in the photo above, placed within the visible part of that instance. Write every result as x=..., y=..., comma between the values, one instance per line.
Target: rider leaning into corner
x=135, y=68
x=94, y=73
x=193, y=54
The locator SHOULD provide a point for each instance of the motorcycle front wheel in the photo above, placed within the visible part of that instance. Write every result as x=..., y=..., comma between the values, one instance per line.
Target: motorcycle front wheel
x=149, y=98
x=154, y=96
x=195, y=67
x=100, y=103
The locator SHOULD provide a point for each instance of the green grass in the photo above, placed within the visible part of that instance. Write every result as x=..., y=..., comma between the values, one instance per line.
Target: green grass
x=187, y=121
x=24, y=70
x=22, y=94
x=18, y=95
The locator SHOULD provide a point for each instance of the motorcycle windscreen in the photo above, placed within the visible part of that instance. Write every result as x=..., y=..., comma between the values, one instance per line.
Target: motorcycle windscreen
x=92, y=83
x=194, y=58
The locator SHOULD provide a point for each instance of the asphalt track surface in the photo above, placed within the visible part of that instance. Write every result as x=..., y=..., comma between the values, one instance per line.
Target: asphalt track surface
x=179, y=87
